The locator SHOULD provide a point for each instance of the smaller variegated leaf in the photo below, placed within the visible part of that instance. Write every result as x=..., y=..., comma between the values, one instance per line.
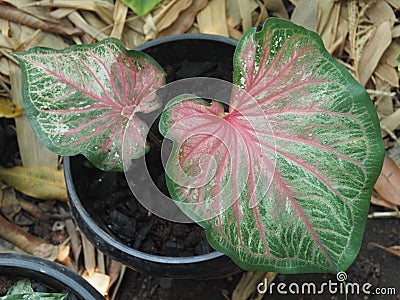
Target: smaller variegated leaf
x=85, y=99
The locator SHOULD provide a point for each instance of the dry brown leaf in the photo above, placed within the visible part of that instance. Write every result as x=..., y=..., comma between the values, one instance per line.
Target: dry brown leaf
x=247, y=285
x=388, y=183
x=325, y=14
x=49, y=251
x=80, y=22
x=396, y=31
x=234, y=33
x=37, y=182
x=26, y=241
x=104, y=9
x=101, y=264
x=360, y=30
x=26, y=6
x=76, y=243
x=391, y=122
x=132, y=39
x=245, y=10
x=93, y=20
x=4, y=68
x=120, y=13
x=112, y=277
x=328, y=26
x=99, y=281
x=212, y=19
x=89, y=256
x=135, y=23
x=61, y=12
x=9, y=204
x=9, y=109
x=185, y=19
x=114, y=271
x=233, y=17
x=306, y=14
x=387, y=73
x=394, y=3
x=391, y=54
x=395, y=250
x=165, y=18
x=4, y=42
x=384, y=103
x=378, y=200
x=373, y=51
x=17, y=16
x=278, y=9
x=380, y=11
x=31, y=150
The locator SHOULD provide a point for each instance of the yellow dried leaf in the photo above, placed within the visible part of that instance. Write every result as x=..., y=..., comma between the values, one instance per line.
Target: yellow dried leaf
x=37, y=182
x=212, y=19
x=9, y=109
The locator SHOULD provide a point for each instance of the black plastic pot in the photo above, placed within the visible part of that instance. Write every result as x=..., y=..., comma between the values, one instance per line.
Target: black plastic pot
x=54, y=275
x=167, y=51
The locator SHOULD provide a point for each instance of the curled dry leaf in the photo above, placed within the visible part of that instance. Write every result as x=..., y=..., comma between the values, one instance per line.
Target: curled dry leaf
x=37, y=182
x=185, y=19
x=388, y=183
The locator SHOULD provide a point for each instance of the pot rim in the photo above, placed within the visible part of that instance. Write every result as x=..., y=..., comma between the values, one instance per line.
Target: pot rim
x=43, y=268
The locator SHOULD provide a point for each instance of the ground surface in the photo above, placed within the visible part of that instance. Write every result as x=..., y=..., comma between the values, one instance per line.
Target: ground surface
x=373, y=265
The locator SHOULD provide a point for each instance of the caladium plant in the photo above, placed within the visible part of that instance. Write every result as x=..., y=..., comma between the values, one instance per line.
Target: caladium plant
x=281, y=181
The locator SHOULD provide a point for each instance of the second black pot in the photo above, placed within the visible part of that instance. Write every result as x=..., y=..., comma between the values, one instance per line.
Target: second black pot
x=54, y=275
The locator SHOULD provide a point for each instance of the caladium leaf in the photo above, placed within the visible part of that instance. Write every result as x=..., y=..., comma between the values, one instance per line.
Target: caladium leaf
x=323, y=151
x=85, y=98
x=141, y=7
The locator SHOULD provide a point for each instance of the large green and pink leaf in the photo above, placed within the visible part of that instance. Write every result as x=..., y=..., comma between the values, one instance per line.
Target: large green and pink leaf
x=297, y=153
x=85, y=99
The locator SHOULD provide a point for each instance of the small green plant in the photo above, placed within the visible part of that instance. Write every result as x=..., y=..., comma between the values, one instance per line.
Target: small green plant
x=22, y=290
x=281, y=181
